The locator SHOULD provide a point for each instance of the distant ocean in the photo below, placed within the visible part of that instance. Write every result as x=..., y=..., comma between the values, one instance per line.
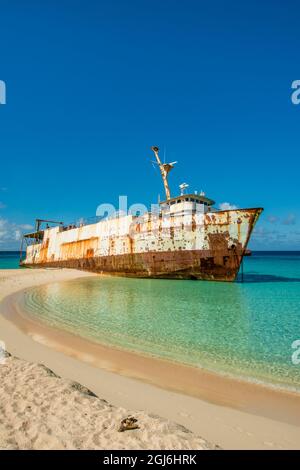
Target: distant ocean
x=244, y=329
x=9, y=259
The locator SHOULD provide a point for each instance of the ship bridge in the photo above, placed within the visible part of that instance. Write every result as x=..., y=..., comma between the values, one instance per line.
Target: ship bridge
x=188, y=203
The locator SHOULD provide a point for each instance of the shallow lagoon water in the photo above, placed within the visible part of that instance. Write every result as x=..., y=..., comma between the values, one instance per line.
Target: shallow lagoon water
x=242, y=329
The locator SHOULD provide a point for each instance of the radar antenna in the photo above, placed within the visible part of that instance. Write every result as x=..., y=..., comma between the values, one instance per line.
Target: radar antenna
x=182, y=188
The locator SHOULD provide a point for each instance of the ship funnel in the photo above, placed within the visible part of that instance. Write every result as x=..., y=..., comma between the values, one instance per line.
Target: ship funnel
x=165, y=169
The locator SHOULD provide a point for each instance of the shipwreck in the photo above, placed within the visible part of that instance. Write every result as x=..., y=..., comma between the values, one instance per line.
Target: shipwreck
x=187, y=238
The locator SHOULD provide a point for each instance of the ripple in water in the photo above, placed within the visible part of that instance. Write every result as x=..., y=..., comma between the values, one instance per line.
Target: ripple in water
x=244, y=329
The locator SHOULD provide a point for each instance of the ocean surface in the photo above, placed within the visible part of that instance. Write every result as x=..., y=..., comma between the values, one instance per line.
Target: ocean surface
x=9, y=259
x=243, y=329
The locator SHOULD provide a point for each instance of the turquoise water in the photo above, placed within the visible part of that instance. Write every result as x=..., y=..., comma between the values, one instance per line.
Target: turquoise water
x=9, y=259
x=243, y=329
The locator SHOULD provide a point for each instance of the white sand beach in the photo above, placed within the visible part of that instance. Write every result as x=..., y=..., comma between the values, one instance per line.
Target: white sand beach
x=40, y=410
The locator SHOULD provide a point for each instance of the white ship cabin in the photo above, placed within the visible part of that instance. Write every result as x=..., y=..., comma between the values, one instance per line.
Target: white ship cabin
x=187, y=204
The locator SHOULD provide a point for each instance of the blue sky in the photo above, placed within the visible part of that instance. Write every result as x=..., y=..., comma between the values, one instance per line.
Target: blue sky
x=92, y=85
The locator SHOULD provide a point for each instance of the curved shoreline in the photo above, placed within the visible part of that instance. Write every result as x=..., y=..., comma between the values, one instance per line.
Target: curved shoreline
x=220, y=389
x=23, y=318
x=126, y=367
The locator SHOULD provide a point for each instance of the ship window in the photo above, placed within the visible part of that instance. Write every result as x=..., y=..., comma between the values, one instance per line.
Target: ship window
x=187, y=199
x=172, y=202
x=178, y=201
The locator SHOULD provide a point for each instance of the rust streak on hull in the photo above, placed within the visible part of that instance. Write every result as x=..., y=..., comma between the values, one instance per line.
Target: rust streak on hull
x=209, y=247
x=208, y=265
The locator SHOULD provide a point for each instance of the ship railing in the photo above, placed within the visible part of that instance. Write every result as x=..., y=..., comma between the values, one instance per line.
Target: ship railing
x=118, y=214
x=83, y=221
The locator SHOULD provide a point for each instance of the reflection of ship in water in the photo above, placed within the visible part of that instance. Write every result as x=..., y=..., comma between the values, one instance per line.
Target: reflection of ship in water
x=186, y=239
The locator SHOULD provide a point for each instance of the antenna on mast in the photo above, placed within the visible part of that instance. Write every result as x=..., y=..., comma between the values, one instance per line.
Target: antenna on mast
x=182, y=188
x=165, y=169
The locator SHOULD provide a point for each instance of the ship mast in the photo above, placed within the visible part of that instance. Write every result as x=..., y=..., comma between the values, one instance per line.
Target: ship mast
x=165, y=169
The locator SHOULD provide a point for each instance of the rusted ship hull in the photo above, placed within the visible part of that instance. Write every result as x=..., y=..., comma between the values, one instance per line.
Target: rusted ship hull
x=181, y=265
x=207, y=246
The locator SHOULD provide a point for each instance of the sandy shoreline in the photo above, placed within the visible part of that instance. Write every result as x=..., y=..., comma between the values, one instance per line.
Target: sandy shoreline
x=40, y=410
x=264, y=418
x=168, y=375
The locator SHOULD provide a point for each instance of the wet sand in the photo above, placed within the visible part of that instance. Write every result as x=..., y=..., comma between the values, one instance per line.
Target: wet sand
x=228, y=412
